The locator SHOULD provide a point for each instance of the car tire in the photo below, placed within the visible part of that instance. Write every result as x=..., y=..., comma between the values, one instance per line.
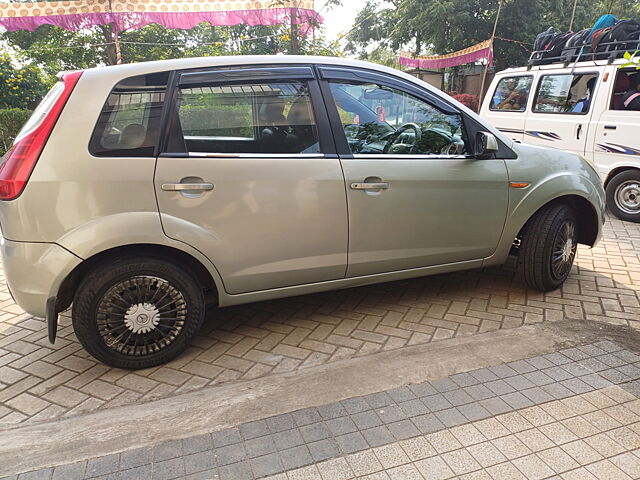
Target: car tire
x=548, y=247
x=137, y=313
x=623, y=195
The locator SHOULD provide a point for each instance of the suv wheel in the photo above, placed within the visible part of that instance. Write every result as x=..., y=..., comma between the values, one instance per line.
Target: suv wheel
x=137, y=313
x=548, y=248
x=623, y=195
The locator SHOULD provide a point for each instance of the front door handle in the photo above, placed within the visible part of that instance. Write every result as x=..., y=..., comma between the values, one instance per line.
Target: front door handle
x=369, y=186
x=186, y=187
x=578, y=131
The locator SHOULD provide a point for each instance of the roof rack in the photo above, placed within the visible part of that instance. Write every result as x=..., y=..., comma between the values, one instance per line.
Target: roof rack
x=609, y=51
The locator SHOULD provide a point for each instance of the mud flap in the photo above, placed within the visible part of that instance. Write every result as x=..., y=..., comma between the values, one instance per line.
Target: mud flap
x=52, y=319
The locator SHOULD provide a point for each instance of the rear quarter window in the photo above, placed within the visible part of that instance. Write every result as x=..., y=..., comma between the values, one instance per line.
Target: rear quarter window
x=130, y=120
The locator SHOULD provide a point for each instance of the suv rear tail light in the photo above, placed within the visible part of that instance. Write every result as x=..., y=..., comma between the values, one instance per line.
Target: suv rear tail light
x=18, y=163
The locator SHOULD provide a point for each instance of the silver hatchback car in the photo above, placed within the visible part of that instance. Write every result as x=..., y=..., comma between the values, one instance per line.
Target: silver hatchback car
x=138, y=191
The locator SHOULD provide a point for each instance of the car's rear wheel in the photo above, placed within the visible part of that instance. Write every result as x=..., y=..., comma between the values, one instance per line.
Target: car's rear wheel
x=548, y=247
x=137, y=313
x=623, y=195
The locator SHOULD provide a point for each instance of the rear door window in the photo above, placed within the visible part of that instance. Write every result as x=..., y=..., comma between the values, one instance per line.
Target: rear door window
x=249, y=118
x=130, y=121
x=511, y=94
x=565, y=93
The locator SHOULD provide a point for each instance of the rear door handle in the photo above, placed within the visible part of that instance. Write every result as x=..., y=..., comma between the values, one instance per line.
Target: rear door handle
x=369, y=186
x=186, y=187
x=579, y=131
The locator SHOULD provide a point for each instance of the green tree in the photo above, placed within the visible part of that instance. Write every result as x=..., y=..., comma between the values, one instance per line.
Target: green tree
x=444, y=26
x=21, y=87
x=56, y=49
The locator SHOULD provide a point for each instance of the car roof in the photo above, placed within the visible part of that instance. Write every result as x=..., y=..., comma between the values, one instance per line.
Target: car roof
x=140, y=68
x=562, y=66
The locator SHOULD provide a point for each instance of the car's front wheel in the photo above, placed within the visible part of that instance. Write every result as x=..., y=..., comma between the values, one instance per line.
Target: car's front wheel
x=548, y=247
x=137, y=312
x=623, y=195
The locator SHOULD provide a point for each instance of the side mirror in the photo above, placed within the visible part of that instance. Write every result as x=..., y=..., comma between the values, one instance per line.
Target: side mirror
x=486, y=145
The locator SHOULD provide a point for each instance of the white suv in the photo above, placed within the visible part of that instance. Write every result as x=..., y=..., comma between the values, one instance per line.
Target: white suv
x=576, y=107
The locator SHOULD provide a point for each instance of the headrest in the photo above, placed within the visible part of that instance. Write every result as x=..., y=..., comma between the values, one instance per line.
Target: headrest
x=133, y=136
x=622, y=83
x=272, y=112
x=300, y=113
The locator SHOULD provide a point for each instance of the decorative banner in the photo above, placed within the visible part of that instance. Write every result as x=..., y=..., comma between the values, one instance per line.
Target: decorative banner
x=468, y=55
x=134, y=14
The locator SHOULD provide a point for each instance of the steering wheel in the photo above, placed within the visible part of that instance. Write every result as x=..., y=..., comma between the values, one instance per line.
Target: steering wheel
x=453, y=148
x=393, y=143
x=352, y=130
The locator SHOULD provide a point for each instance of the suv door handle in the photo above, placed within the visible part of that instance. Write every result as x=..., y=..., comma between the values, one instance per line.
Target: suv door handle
x=185, y=187
x=369, y=186
x=610, y=127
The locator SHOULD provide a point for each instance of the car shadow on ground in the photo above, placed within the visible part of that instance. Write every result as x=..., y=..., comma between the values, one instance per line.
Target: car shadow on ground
x=445, y=305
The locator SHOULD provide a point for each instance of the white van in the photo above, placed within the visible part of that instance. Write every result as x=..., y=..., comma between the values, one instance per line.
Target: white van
x=576, y=107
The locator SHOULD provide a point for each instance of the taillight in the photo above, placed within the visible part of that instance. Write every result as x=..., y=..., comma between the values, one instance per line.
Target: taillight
x=19, y=161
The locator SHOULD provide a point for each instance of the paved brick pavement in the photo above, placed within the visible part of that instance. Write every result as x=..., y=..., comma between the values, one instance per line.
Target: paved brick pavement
x=39, y=381
x=571, y=414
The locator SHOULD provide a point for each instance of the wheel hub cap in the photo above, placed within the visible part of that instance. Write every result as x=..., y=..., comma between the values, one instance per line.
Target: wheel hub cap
x=628, y=197
x=567, y=251
x=141, y=317
x=564, y=250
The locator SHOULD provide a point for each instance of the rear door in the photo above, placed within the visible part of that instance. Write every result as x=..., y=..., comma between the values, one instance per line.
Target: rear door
x=249, y=178
x=561, y=111
x=506, y=108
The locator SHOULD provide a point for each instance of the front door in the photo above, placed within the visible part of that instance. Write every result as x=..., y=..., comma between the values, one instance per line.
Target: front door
x=416, y=197
x=246, y=179
x=561, y=112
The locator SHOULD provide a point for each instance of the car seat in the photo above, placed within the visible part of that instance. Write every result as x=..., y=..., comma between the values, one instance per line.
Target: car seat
x=302, y=125
x=621, y=87
x=273, y=122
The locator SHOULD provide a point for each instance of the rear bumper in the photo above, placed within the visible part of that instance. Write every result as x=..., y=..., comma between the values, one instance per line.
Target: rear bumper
x=35, y=271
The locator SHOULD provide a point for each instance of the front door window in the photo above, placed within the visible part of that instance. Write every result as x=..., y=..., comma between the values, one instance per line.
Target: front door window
x=383, y=120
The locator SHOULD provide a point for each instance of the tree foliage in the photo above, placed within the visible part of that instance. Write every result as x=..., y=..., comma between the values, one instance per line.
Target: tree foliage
x=20, y=87
x=11, y=120
x=55, y=49
x=444, y=26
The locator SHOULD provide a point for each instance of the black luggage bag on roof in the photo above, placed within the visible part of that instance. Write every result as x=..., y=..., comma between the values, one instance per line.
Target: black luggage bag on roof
x=552, y=50
x=576, y=45
x=623, y=37
x=543, y=39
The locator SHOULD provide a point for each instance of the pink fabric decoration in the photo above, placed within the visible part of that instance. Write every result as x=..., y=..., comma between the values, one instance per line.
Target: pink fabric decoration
x=183, y=20
x=469, y=55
